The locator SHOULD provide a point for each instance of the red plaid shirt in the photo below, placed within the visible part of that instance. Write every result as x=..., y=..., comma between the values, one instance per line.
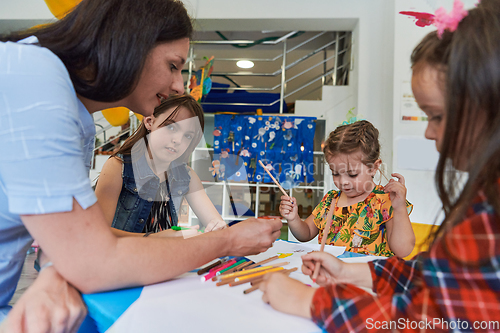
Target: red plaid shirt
x=453, y=287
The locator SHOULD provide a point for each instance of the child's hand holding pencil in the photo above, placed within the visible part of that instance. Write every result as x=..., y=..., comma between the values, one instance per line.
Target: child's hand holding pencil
x=288, y=208
x=330, y=271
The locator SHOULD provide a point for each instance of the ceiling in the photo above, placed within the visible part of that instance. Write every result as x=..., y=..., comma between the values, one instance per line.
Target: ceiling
x=261, y=54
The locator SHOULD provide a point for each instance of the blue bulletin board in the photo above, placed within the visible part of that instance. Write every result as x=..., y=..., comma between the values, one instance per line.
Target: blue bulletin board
x=283, y=143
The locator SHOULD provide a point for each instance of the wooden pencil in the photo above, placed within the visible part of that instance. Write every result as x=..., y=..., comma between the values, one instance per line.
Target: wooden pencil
x=231, y=278
x=253, y=288
x=253, y=277
x=207, y=268
x=274, y=179
x=262, y=262
x=329, y=220
x=236, y=268
x=255, y=284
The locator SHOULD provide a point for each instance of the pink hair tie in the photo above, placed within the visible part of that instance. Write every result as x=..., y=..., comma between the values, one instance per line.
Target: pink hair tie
x=441, y=20
x=450, y=21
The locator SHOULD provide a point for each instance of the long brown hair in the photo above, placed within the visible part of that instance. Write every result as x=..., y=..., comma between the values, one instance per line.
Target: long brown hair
x=104, y=43
x=173, y=101
x=470, y=60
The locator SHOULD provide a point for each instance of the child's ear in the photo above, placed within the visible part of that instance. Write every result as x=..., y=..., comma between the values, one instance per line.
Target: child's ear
x=148, y=122
x=375, y=167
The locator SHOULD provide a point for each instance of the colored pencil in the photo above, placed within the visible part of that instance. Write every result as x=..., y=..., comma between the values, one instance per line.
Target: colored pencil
x=252, y=277
x=274, y=179
x=250, y=271
x=255, y=284
x=237, y=268
x=212, y=273
x=219, y=273
x=230, y=279
x=253, y=288
x=205, y=269
x=262, y=262
x=329, y=220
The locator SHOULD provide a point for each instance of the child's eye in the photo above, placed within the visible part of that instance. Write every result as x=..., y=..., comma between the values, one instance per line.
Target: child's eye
x=335, y=174
x=353, y=176
x=189, y=136
x=436, y=118
x=170, y=127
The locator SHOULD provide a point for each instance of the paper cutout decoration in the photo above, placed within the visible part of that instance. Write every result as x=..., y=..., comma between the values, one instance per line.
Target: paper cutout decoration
x=200, y=82
x=284, y=144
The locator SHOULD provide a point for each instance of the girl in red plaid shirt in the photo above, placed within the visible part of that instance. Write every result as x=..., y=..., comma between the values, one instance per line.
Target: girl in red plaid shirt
x=455, y=286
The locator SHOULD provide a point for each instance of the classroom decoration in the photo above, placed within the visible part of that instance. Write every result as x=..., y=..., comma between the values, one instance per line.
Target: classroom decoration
x=247, y=147
x=116, y=116
x=200, y=82
x=59, y=8
x=441, y=19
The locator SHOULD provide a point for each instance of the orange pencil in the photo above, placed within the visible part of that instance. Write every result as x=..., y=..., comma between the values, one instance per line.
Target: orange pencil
x=262, y=262
x=329, y=220
x=231, y=277
x=252, y=277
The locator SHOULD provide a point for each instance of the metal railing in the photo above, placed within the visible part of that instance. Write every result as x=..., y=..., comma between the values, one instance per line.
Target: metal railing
x=341, y=58
x=344, y=37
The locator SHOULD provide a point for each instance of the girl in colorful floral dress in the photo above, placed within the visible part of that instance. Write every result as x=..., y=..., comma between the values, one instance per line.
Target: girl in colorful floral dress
x=455, y=285
x=368, y=218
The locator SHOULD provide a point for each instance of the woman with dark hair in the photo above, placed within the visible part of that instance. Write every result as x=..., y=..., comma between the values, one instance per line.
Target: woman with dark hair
x=455, y=286
x=104, y=54
x=141, y=187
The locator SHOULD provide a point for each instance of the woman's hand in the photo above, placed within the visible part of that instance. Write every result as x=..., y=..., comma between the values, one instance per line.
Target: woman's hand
x=287, y=295
x=330, y=271
x=215, y=225
x=51, y=304
x=397, y=191
x=288, y=208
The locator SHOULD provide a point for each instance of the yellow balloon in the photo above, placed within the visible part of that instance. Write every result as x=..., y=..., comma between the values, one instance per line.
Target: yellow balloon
x=59, y=8
x=139, y=116
x=116, y=116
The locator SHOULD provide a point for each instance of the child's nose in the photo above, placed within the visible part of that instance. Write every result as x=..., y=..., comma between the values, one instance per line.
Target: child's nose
x=430, y=133
x=344, y=180
x=177, y=137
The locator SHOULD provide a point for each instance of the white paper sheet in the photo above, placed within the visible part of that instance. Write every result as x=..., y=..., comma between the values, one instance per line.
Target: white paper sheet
x=296, y=250
x=188, y=305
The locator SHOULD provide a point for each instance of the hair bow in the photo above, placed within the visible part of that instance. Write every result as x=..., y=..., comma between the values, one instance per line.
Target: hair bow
x=351, y=118
x=441, y=19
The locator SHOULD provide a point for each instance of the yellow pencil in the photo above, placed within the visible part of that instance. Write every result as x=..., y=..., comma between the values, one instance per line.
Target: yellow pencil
x=252, y=277
x=232, y=276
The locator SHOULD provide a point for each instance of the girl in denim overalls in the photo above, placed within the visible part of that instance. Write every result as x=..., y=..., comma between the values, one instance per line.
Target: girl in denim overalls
x=141, y=186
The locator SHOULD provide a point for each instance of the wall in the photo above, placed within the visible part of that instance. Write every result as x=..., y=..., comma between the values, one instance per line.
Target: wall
x=370, y=20
x=420, y=183
x=383, y=41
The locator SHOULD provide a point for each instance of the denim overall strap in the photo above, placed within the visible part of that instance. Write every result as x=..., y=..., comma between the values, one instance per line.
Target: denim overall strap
x=132, y=209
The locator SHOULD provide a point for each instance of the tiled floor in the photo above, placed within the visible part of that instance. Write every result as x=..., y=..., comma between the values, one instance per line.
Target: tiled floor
x=28, y=275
